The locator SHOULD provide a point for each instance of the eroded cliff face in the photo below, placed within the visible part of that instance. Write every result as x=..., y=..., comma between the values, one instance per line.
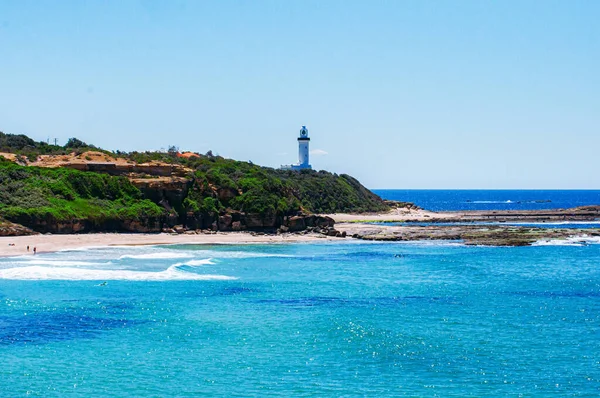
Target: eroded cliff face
x=239, y=221
x=74, y=226
x=167, y=191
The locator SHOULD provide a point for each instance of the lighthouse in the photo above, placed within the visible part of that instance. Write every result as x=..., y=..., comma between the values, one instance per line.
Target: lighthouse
x=303, y=152
x=303, y=141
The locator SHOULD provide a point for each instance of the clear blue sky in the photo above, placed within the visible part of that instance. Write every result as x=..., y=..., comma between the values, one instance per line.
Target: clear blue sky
x=400, y=94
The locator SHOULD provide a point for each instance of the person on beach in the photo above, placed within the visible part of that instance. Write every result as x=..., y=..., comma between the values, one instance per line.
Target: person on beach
x=34, y=250
x=27, y=247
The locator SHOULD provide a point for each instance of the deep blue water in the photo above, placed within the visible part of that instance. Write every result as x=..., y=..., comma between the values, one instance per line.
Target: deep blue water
x=439, y=200
x=329, y=319
x=554, y=225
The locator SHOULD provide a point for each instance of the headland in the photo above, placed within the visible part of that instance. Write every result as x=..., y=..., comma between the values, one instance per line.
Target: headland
x=57, y=194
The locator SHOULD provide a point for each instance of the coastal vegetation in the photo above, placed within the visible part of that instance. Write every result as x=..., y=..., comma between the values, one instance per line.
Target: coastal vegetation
x=32, y=194
x=257, y=189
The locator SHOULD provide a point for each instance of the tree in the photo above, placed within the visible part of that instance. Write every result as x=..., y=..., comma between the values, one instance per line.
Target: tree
x=75, y=143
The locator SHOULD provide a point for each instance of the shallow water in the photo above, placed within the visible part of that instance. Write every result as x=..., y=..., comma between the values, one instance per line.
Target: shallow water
x=334, y=319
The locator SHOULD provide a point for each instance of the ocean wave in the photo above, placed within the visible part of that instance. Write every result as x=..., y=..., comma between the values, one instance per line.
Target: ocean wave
x=195, y=263
x=61, y=263
x=241, y=254
x=89, y=248
x=453, y=243
x=156, y=256
x=581, y=240
x=36, y=272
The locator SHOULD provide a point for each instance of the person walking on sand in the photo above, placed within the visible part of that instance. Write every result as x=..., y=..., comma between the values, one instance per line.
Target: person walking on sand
x=27, y=247
x=34, y=250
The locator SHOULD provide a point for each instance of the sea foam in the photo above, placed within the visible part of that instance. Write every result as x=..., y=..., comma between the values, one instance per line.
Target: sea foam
x=36, y=272
x=581, y=240
x=61, y=263
x=195, y=263
x=241, y=254
x=156, y=256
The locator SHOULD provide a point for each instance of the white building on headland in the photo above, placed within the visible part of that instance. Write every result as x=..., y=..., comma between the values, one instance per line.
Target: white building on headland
x=303, y=163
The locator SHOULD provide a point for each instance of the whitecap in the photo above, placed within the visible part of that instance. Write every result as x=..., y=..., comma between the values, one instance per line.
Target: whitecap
x=156, y=256
x=581, y=240
x=36, y=272
x=453, y=243
x=242, y=254
x=61, y=263
x=195, y=263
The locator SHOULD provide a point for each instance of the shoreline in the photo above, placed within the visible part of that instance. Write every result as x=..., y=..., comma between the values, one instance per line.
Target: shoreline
x=356, y=226
x=57, y=242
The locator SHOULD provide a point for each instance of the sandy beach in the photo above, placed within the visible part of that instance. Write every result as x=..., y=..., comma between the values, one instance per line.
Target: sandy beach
x=51, y=243
x=396, y=215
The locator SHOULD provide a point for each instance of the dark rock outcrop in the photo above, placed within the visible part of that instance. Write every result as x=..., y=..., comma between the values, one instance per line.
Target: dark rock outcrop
x=169, y=192
x=225, y=222
x=8, y=228
x=295, y=223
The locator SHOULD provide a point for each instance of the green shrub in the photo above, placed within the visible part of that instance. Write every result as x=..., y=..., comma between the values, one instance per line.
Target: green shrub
x=30, y=193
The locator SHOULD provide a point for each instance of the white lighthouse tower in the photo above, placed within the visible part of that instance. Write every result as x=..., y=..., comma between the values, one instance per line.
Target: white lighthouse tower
x=303, y=141
x=303, y=152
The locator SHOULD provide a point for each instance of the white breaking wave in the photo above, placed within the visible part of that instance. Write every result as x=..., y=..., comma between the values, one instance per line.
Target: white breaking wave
x=206, y=253
x=581, y=240
x=78, y=274
x=195, y=263
x=61, y=263
x=430, y=243
x=241, y=254
x=156, y=256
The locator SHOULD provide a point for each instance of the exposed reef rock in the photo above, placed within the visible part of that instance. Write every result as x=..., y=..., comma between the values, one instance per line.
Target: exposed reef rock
x=583, y=213
x=501, y=235
x=394, y=204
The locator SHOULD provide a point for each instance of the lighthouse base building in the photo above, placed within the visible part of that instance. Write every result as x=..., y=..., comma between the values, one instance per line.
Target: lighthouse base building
x=303, y=161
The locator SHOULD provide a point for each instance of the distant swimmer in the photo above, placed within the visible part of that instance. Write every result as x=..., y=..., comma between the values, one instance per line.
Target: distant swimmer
x=398, y=255
x=103, y=284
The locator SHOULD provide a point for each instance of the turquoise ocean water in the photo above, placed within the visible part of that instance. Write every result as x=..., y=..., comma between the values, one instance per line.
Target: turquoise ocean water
x=326, y=319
